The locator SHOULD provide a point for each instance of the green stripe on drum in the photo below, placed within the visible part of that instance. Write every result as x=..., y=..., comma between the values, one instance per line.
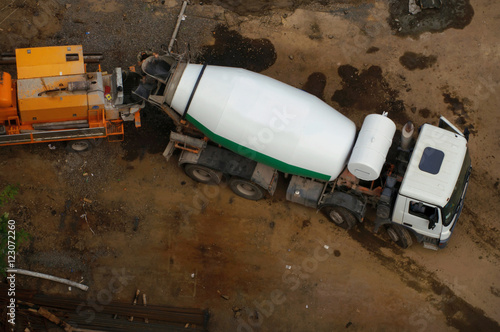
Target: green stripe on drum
x=257, y=156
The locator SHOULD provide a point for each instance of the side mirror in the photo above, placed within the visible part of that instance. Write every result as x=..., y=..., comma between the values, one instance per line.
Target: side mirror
x=433, y=219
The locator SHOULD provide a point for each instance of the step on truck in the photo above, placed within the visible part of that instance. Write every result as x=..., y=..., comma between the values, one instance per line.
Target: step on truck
x=247, y=129
x=55, y=99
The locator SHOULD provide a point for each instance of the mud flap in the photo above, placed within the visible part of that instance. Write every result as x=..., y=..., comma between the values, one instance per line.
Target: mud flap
x=266, y=177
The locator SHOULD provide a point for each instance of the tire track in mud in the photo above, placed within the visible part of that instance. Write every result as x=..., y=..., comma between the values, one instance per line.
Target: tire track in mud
x=459, y=313
x=483, y=234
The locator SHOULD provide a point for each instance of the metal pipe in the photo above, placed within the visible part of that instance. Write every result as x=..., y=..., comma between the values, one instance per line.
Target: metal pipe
x=10, y=58
x=48, y=277
x=176, y=30
x=61, y=125
x=406, y=135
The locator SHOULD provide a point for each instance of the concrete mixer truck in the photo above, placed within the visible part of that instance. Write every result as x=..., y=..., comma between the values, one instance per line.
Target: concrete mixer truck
x=245, y=128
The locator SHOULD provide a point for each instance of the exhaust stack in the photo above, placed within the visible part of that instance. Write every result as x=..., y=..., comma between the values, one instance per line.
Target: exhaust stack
x=406, y=135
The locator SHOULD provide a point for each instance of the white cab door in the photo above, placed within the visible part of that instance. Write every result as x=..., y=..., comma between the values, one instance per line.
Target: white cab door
x=418, y=216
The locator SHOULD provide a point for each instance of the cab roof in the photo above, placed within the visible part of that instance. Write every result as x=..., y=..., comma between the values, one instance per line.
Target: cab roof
x=434, y=166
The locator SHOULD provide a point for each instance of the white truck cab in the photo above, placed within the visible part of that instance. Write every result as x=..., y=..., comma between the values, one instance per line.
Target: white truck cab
x=431, y=195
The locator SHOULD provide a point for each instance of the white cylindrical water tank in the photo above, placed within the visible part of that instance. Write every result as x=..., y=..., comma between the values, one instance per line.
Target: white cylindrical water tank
x=372, y=145
x=266, y=120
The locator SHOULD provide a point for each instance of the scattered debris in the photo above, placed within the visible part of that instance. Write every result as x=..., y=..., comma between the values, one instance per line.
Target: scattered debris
x=134, y=302
x=225, y=297
x=84, y=215
x=144, y=302
x=237, y=312
x=413, y=7
x=427, y=4
x=52, y=147
x=288, y=267
x=136, y=224
x=48, y=315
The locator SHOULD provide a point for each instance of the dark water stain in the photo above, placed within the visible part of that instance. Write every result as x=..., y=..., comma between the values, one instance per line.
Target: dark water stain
x=315, y=85
x=459, y=313
x=424, y=112
x=372, y=50
x=233, y=50
x=152, y=137
x=455, y=14
x=486, y=233
x=454, y=104
x=315, y=32
x=369, y=91
x=459, y=107
x=412, y=61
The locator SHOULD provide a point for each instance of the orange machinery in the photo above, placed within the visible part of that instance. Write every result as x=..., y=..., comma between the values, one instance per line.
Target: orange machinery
x=55, y=99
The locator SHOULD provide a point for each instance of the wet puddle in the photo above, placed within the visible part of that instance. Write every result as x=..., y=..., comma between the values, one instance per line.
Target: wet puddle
x=233, y=50
x=367, y=90
x=459, y=107
x=412, y=61
x=315, y=85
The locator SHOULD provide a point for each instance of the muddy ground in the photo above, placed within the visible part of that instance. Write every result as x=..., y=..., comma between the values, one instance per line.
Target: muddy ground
x=185, y=244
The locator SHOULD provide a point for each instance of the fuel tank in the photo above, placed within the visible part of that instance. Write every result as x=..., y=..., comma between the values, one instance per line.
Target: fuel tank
x=372, y=145
x=265, y=120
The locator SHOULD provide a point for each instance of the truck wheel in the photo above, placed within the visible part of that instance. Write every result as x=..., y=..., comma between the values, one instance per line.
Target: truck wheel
x=203, y=174
x=79, y=145
x=246, y=189
x=400, y=235
x=340, y=216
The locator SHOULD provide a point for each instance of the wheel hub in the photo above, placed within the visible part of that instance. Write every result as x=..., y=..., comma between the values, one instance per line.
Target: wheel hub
x=336, y=217
x=246, y=189
x=392, y=234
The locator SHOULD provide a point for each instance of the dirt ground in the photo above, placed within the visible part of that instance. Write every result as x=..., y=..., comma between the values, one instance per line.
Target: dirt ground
x=186, y=244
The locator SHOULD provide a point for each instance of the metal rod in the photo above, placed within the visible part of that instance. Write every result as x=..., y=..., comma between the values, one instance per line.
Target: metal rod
x=48, y=277
x=176, y=30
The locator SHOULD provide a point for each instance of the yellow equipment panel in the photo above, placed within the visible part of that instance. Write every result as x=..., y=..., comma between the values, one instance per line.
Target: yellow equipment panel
x=7, y=98
x=49, y=61
x=47, y=99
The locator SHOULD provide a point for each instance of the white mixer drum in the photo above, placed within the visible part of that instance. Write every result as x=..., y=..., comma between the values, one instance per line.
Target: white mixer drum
x=266, y=120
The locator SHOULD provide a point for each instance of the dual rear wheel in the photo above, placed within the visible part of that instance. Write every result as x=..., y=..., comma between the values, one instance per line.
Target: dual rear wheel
x=340, y=216
x=240, y=187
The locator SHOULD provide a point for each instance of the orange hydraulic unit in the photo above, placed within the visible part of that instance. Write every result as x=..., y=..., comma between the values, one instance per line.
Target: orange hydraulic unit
x=55, y=99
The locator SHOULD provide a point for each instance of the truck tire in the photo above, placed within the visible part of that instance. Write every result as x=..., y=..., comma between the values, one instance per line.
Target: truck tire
x=340, y=216
x=400, y=236
x=246, y=189
x=79, y=145
x=202, y=174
